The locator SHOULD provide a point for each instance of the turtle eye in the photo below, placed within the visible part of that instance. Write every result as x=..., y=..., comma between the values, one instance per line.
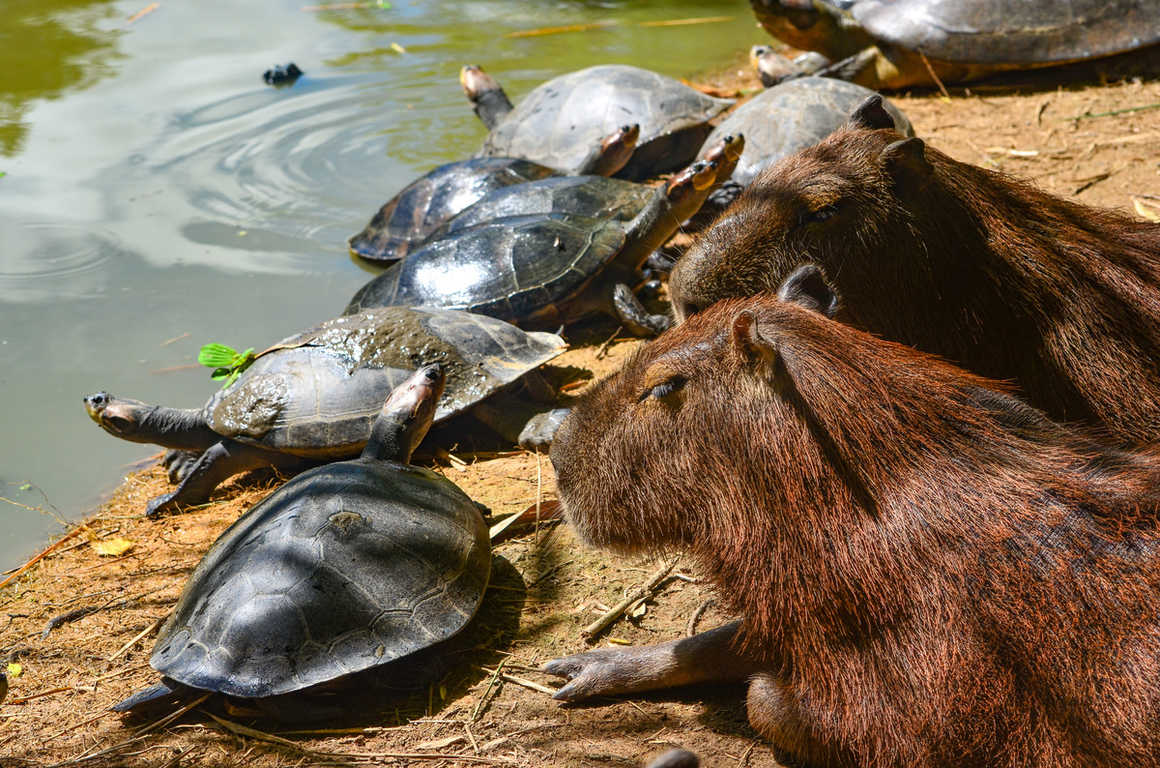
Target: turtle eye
x=825, y=213
x=665, y=388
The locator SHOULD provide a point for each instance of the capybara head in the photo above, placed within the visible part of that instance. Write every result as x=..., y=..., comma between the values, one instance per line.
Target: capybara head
x=930, y=570
x=962, y=262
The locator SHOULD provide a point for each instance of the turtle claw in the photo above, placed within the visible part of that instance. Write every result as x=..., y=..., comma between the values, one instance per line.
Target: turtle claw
x=179, y=463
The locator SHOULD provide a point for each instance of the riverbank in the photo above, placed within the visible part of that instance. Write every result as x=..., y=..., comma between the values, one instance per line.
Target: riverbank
x=1096, y=144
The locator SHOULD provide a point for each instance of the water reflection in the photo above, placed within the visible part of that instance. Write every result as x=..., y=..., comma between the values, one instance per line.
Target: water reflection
x=45, y=53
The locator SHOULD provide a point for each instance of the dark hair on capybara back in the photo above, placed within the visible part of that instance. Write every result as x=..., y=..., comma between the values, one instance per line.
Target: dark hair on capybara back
x=970, y=264
x=927, y=571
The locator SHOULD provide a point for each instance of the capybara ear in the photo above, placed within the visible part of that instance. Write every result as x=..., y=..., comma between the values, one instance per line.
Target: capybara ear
x=871, y=115
x=749, y=339
x=906, y=161
x=808, y=287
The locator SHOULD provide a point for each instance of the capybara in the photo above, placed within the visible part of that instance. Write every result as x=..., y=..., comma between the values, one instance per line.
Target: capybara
x=975, y=266
x=926, y=570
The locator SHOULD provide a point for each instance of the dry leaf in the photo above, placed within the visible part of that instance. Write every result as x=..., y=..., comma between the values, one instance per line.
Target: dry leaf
x=112, y=547
x=15, y=670
x=1149, y=209
x=398, y=48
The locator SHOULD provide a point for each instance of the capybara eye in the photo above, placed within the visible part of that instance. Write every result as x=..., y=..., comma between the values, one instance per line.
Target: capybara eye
x=821, y=214
x=665, y=388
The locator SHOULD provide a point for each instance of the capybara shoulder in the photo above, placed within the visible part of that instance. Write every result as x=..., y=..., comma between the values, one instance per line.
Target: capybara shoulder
x=931, y=571
x=967, y=263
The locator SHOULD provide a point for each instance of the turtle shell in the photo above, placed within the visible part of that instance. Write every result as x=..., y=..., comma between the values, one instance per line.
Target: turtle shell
x=791, y=116
x=559, y=122
x=409, y=217
x=512, y=269
x=345, y=567
x=595, y=196
x=1001, y=33
x=316, y=394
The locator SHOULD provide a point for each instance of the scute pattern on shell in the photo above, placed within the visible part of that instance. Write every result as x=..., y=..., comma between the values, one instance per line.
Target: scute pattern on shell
x=318, y=392
x=1000, y=32
x=347, y=567
x=509, y=269
x=791, y=116
x=560, y=121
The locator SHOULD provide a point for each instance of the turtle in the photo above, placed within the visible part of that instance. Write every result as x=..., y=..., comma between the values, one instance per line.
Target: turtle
x=313, y=396
x=345, y=567
x=785, y=118
x=898, y=43
x=408, y=218
x=545, y=269
x=772, y=68
x=557, y=119
x=596, y=196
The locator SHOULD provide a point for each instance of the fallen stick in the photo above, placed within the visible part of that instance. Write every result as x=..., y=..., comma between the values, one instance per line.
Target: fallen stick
x=147, y=631
x=691, y=627
x=522, y=681
x=616, y=611
x=82, y=528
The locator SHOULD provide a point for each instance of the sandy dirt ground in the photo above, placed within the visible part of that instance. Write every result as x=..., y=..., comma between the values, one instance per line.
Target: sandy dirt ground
x=1095, y=142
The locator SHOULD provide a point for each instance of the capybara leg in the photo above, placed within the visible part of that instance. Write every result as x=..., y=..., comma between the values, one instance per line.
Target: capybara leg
x=707, y=657
x=178, y=463
x=633, y=316
x=774, y=714
x=221, y=460
x=676, y=758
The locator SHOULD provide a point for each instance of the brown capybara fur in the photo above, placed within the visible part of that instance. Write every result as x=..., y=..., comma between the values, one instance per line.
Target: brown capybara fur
x=975, y=266
x=927, y=571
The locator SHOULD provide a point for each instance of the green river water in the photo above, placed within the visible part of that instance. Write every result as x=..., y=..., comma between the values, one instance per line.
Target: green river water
x=157, y=195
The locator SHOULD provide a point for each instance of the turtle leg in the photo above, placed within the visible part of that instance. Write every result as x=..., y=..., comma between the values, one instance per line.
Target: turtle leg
x=220, y=461
x=626, y=308
x=178, y=463
x=869, y=68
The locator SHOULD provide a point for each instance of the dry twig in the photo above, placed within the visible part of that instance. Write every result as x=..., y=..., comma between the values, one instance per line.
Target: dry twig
x=616, y=611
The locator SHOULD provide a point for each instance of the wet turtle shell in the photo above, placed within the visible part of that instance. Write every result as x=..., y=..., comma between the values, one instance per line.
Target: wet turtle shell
x=408, y=218
x=989, y=32
x=791, y=116
x=317, y=393
x=514, y=268
x=346, y=567
x=561, y=119
x=595, y=196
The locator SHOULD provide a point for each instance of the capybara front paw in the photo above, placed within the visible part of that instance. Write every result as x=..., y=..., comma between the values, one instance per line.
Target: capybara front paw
x=604, y=672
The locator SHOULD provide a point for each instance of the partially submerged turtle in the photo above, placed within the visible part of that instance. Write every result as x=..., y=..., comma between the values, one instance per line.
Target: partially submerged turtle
x=315, y=395
x=558, y=119
x=896, y=43
x=345, y=567
x=786, y=118
x=547, y=269
x=408, y=219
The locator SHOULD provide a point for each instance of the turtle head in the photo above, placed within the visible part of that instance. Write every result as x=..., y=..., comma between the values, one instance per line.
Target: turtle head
x=119, y=417
x=613, y=152
x=771, y=66
x=725, y=153
x=485, y=94
x=825, y=26
x=406, y=415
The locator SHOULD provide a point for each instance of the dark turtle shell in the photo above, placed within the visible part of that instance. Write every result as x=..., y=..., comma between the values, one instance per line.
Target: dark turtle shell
x=559, y=121
x=997, y=32
x=791, y=116
x=317, y=393
x=511, y=268
x=345, y=567
x=408, y=218
x=596, y=196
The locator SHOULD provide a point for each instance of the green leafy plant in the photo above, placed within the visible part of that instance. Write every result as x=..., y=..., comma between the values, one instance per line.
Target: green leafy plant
x=227, y=362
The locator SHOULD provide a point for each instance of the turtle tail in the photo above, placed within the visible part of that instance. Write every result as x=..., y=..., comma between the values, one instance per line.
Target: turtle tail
x=165, y=691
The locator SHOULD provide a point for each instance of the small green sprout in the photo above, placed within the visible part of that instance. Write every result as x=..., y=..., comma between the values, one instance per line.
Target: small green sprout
x=227, y=362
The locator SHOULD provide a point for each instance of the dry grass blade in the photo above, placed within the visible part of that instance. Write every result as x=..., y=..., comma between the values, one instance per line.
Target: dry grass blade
x=138, y=637
x=522, y=681
x=686, y=22
x=616, y=611
x=541, y=31
x=942, y=89
x=82, y=528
